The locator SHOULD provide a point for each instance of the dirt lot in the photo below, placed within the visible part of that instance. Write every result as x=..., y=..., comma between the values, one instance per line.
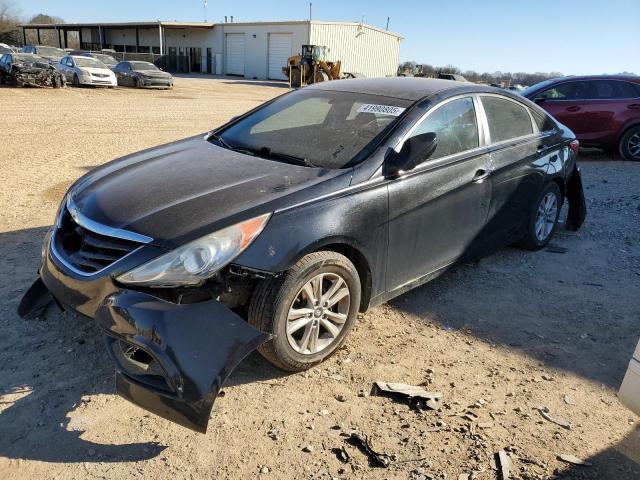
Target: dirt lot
x=500, y=338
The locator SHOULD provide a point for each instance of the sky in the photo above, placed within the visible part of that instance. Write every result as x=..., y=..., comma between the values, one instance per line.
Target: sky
x=573, y=37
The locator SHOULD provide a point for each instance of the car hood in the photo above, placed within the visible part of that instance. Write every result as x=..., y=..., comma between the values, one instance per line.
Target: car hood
x=154, y=74
x=102, y=71
x=180, y=191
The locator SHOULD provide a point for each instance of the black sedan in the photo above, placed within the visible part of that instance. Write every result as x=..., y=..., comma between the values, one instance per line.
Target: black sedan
x=276, y=229
x=141, y=74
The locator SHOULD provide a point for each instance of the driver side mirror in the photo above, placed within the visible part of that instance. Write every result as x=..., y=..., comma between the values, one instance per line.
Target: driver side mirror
x=414, y=151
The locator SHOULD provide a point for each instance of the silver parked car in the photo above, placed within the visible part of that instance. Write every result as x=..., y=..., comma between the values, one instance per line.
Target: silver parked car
x=80, y=70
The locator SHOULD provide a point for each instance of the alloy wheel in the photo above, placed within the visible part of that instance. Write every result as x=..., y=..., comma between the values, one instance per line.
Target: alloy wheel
x=318, y=313
x=634, y=145
x=546, y=216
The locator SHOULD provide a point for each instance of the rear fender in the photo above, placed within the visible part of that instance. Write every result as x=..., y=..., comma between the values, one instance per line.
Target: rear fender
x=189, y=350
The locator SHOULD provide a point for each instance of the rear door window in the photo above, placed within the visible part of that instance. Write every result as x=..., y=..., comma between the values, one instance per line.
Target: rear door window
x=507, y=119
x=614, y=89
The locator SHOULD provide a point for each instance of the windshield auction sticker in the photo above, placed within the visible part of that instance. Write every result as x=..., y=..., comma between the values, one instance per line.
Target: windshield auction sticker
x=381, y=109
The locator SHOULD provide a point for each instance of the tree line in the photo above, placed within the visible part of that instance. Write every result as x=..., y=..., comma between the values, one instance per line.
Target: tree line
x=503, y=78
x=11, y=34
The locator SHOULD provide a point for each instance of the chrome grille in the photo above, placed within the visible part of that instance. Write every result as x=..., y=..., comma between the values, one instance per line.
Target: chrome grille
x=87, y=250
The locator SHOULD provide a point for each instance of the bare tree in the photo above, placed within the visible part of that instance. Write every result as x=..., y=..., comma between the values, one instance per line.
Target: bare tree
x=9, y=31
x=47, y=37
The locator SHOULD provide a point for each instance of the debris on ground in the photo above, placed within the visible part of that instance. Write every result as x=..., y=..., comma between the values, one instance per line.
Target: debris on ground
x=544, y=411
x=504, y=464
x=555, y=249
x=418, y=397
x=361, y=441
x=341, y=454
x=307, y=448
x=566, y=457
x=569, y=400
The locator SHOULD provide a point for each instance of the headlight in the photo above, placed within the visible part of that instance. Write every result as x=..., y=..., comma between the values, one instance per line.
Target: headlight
x=196, y=261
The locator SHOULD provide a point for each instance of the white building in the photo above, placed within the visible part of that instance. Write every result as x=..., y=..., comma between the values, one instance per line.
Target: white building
x=252, y=49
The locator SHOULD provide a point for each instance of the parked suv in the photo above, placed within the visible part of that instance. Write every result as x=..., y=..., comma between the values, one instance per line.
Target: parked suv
x=52, y=54
x=603, y=111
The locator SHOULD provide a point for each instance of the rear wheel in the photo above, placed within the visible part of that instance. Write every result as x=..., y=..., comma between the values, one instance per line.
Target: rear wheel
x=136, y=82
x=543, y=218
x=630, y=144
x=309, y=310
x=296, y=77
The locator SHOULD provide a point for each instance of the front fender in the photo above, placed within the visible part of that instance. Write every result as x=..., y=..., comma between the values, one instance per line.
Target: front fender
x=173, y=359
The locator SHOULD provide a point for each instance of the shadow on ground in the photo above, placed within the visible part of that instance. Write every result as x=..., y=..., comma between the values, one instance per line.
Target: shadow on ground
x=53, y=365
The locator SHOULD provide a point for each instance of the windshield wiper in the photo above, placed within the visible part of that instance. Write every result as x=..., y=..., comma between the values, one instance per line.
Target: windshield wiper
x=222, y=142
x=266, y=152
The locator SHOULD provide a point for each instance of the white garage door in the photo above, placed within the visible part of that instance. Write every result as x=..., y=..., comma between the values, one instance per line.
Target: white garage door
x=280, y=47
x=235, y=54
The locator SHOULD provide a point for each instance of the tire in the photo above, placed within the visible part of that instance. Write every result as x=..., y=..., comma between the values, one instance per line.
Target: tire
x=76, y=81
x=275, y=299
x=534, y=238
x=136, y=83
x=629, y=146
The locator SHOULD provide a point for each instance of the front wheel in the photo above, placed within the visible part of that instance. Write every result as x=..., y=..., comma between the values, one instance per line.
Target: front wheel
x=76, y=81
x=309, y=310
x=543, y=218
x=630, y=144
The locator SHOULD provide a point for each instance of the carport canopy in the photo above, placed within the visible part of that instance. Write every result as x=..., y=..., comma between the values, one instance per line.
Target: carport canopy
x=63, y=29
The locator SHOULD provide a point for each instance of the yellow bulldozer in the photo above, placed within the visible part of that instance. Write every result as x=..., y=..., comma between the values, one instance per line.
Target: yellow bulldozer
x=311, y=67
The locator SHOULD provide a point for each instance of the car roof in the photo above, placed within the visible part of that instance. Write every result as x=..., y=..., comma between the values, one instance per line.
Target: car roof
x=631, y=78
x=406, y=88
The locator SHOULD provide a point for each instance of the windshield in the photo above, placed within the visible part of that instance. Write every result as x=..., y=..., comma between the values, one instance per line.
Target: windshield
x=88, y=62
x=315, y=127
x=51, y=52
x=106, y=59
x=538, y=86
x=143, y=66
x=5, y=50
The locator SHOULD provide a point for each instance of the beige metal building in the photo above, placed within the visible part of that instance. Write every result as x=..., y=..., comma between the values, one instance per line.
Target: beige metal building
x=251, y=49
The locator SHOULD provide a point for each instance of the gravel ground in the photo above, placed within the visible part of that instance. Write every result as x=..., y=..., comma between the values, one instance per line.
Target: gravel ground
x=502, y=338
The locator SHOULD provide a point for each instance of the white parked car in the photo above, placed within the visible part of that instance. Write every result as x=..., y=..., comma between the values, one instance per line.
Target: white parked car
x=79, y=70
x=630, y=389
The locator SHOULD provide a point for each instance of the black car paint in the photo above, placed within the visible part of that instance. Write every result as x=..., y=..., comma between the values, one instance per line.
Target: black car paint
x=158, y=327
x=356, y=210
x=128, y=77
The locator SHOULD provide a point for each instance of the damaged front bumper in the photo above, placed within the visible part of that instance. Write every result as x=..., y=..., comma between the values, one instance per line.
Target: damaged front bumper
x=577, y=203
x=171, y=359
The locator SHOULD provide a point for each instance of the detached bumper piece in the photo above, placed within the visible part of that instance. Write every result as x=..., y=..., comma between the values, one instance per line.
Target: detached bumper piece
x=577, y=204
x=35, y=301
x=173, y=359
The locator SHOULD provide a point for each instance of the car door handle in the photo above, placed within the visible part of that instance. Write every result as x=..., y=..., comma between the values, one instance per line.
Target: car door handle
x=634, y=106
x=480, y=175
x=573, y=109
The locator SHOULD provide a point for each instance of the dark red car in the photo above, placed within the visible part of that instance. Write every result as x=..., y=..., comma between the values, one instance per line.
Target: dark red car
x=603, y=111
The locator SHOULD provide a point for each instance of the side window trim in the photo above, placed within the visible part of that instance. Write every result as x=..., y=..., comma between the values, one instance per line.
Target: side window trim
x=449, y=159
x=534, y=127
x=587, y=99
x=418, y=122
